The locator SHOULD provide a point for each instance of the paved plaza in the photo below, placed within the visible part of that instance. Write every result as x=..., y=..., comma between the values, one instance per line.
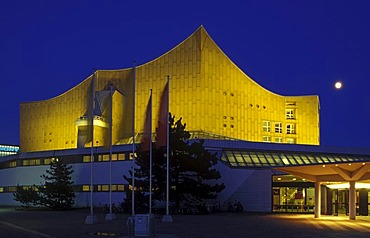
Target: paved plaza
x=71, y=224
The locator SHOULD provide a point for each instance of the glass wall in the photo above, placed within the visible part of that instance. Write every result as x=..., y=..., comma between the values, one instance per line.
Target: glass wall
x=292, y=194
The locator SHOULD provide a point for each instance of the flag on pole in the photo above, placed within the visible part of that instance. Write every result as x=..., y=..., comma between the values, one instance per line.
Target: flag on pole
x=91, y=219
x=133, y=140
x=145, y=141
x=165, y=138
x=163, y=118
x=104, y=105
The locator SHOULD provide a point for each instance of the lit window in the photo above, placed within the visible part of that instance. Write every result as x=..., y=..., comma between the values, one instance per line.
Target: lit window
x=121, y=156
x=86, y=158
x=130, y=188
x=1, y=189
x=85, y=188
x=266, y=126
x=278, y=127
x=290, y=129
x=100, y=158
x=120, y=187
x=290, y=114
x=266, y=139
x=131, y=156
x=290, y=140
x=106, y=157
x=105, y=187
x=278, y=140
x=34, y=162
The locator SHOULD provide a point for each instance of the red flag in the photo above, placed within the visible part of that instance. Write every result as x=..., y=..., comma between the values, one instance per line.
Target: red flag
x=163, y=118
x=145, y=141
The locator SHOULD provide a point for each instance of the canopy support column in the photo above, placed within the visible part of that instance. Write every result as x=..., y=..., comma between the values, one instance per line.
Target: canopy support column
x=317, y=199
x=352, y=200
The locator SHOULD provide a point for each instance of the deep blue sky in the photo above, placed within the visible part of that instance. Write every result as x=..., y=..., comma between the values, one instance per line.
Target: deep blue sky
x=289, y=47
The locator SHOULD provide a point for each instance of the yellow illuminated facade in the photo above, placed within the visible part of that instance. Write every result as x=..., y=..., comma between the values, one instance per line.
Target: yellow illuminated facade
x=212, y=95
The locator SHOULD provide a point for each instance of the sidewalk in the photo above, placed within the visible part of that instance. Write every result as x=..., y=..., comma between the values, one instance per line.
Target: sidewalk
x=71, y=224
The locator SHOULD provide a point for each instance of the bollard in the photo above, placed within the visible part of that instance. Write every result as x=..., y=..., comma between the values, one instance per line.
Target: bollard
x=131, y=226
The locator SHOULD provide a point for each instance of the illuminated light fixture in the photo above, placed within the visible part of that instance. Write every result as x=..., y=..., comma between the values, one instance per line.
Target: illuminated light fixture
x=294, y=179
x=279, y=179
x=336, y=165
x=349, y=164
x=323, y=166
x=346, y=185
x=363, y=163
x=304, y=179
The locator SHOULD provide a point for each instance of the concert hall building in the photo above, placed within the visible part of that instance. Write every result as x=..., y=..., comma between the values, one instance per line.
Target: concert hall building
x=268, y=144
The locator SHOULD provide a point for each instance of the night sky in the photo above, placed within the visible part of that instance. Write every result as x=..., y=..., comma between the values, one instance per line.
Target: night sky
x=289, y=47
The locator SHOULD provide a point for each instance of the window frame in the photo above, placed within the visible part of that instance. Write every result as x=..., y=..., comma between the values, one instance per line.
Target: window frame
x=266, y=126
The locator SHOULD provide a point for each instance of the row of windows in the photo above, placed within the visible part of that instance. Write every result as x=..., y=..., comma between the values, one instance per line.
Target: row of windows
x=69, y=160
x=267, y=159
x=258, y=106
x=278, y=127
x=105, y=158
x=278, y=140
x=77, y=188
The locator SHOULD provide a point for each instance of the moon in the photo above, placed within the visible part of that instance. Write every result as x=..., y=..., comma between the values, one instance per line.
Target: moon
x=338, y=85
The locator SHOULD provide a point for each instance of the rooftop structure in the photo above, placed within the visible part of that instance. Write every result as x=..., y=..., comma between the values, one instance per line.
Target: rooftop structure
x=212, y=95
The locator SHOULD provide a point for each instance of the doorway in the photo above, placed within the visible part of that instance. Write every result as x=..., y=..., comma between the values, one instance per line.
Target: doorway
x=340, y=201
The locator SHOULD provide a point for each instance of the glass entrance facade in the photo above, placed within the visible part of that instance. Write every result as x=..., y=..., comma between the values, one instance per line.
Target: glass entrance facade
x=340, y=200
x=293, y=195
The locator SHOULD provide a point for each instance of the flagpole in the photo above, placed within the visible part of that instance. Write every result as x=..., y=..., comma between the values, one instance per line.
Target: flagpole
x=168, y=217
x=110, y=216
x=92, y=219
x=150, y=154
x=133, y=140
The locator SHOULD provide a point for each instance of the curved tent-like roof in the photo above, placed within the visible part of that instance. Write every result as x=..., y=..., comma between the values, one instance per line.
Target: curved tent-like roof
x=212, y=95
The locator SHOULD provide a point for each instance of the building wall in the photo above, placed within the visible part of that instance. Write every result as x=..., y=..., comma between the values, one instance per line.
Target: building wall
x=207, y=90
x=252, y=188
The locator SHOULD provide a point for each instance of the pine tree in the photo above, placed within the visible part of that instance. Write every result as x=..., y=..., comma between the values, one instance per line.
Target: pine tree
x=28, y=197
x=57, y=192
x=192, y=173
